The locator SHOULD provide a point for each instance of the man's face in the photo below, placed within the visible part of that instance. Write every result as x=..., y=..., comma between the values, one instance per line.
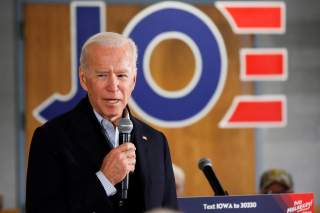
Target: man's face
x=109, y=79
x=276, y=188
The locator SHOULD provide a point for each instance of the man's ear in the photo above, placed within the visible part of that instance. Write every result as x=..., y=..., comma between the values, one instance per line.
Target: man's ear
x=83, y=80
x=134, y=79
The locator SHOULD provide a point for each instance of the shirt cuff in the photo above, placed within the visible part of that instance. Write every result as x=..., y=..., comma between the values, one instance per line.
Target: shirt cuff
x=107, y=185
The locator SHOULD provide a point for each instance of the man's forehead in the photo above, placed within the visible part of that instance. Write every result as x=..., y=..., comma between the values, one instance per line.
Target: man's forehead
x=101, y=54
x=96, y=50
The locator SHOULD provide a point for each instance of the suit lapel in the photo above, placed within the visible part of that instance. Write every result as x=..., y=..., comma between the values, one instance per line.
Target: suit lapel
x=88, y=134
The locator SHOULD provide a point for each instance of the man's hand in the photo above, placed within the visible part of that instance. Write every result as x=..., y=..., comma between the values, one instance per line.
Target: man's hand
x=119, y=162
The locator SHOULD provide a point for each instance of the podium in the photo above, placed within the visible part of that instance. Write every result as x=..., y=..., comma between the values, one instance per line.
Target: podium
x=270, y=203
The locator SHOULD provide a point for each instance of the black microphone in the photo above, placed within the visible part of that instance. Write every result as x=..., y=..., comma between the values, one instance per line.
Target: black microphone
x=125, y=127
x=206, y=166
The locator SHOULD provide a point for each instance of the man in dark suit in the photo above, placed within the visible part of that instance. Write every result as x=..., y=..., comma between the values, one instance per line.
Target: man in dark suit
x=76, y=163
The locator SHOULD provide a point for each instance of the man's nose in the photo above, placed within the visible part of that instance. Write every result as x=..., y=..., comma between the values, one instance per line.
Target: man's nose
x=113, y=82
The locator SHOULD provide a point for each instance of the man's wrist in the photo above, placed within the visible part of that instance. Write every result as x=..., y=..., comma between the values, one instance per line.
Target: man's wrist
x=106, y=183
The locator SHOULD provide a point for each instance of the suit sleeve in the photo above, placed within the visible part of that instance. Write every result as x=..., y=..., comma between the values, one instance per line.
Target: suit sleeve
x=170, y=196
x=48, y=182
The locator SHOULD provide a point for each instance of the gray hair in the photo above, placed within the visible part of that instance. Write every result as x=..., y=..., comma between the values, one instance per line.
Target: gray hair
x=109, y=39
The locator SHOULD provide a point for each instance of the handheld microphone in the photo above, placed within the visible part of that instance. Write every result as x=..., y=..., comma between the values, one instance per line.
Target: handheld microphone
x=125, y=127
x=206, y=166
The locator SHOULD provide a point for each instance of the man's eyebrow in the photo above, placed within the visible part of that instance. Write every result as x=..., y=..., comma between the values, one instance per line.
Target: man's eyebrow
x=101, y=71
x=97, y=71
x=122, y=71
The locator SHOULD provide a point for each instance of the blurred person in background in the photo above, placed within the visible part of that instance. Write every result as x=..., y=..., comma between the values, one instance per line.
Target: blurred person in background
x=163, y=210
x=276, y=181
x=179, y=177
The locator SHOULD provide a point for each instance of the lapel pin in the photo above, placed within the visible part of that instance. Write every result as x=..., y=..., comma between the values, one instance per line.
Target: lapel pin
x=144, y=138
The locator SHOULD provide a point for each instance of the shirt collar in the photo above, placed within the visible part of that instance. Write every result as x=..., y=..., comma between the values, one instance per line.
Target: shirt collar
x=116, y=133
x=99, y=117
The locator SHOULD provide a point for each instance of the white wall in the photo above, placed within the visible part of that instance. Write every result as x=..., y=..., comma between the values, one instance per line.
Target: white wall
x=7, y=105
x=297, y=146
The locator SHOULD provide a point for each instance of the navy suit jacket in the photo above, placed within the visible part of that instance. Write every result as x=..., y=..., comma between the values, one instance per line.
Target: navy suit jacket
x=66, y=153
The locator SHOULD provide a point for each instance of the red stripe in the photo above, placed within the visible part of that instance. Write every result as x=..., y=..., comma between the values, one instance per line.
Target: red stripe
x=250, y=17
x=254, y=111
x=264, y=64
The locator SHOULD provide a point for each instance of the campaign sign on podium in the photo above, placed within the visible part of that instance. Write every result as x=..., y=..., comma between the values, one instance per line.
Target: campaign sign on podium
x=275, y=203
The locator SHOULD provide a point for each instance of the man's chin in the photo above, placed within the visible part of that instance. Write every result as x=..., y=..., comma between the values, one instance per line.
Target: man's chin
x=113, y=115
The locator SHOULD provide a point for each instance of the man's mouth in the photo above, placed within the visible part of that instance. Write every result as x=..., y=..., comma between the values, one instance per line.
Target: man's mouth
x=112, y=101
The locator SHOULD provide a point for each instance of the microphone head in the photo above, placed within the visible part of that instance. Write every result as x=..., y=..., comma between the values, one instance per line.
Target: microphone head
x=203, y=162
x=125, y=125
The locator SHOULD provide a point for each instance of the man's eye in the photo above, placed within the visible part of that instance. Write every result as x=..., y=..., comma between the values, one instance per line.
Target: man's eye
x=101, y=75
x=122, y=76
